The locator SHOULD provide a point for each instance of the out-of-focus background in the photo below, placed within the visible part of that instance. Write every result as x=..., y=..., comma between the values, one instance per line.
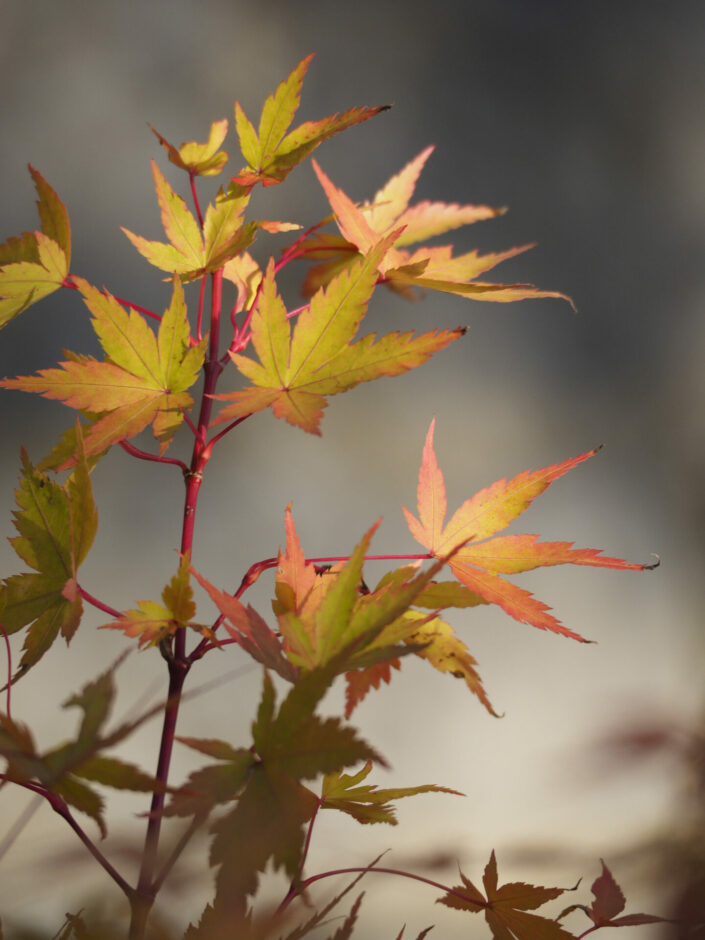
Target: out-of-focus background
x=586, y=120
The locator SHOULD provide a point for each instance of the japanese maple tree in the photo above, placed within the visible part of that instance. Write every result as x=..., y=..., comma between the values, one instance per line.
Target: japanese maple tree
x=259, y=799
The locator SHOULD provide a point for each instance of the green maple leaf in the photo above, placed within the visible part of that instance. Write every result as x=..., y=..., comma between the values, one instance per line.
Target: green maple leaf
x=144, y=379
x=63, y=770
x=367, y=803
x=36, y=264
x=191, y=253
x=296, y=371
x=199, y=159
x=213, y=784
x=429, y=637
x=291, y=744
x=272, y=153
x=56, y=525
x=325, y=620
x=151, y=621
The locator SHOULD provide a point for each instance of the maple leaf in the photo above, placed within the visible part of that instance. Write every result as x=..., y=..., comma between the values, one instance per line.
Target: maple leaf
x=359, y=682
x=272, y=153
x=152, y=622
x=428, y=636
x=216, y=783
x=36, y=264
x=199, y=159
x=249, y=630
x=367, y=803
x=324, y=619
x=609, y=902
x=433, y=268
x=292, y=744
x=56, y=525
x=295, y=372
x=191, y=253
x=246, y=275
x=478, y=562
x=61, y=770
x=506, y=907
x=144, y=379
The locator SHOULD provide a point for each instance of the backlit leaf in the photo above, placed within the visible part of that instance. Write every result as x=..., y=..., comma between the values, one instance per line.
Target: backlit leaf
x=143, y=380
x=481, y=557
x=35, y=264
x=56, y=526
x=367, y=803
x=433, y=268
x=271, y=153
x=295, y=372
x=199, y=159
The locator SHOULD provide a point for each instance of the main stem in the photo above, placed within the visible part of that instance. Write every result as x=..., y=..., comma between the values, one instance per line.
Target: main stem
x=178, y=664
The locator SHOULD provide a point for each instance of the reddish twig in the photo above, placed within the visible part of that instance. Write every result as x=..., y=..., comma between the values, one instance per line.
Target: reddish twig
x=8, y=649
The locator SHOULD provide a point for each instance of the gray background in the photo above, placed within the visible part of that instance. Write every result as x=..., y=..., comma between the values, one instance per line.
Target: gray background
x=586, y=120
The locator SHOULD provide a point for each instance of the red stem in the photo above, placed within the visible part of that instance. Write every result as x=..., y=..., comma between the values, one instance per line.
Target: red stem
x=99, y=604
x=178, y=663
x=254, y=571
x=201, y=301
x=8, y=709
x=192, y=181
x=302, y=885
x=67, y=282
x=130, y=448
x=59, y=806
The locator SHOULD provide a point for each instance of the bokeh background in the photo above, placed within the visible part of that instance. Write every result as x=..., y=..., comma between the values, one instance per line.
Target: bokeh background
x=586, y=120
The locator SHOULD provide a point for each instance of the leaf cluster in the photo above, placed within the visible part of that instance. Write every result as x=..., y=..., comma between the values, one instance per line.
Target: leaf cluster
x=259, y=799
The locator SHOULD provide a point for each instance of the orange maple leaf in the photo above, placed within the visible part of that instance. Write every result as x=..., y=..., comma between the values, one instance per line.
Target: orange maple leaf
x=434, y=268
x=479, y=563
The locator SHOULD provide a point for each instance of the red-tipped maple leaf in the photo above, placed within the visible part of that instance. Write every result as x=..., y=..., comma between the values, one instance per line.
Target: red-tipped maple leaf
x=144, y=379
x=270, y=151
x=199, y=159
x=152, y=622
x=506, y=907
x=434, y=268
x=191, y=252
x=479, y=563
x=36, y=264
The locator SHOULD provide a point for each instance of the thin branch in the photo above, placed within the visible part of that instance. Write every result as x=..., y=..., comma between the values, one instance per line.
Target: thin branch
x=292, y=251
x=184, y=840
x=201, y=304
x=254, y=571
x=233, y=424
x=297, y=311
x=192, y=426
x=8, y=649
x=307, y=882
x=67, y=282
x=19, y=824
x=192, y=181
x=59, y=806
x=99, y=604
x=145, y=455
